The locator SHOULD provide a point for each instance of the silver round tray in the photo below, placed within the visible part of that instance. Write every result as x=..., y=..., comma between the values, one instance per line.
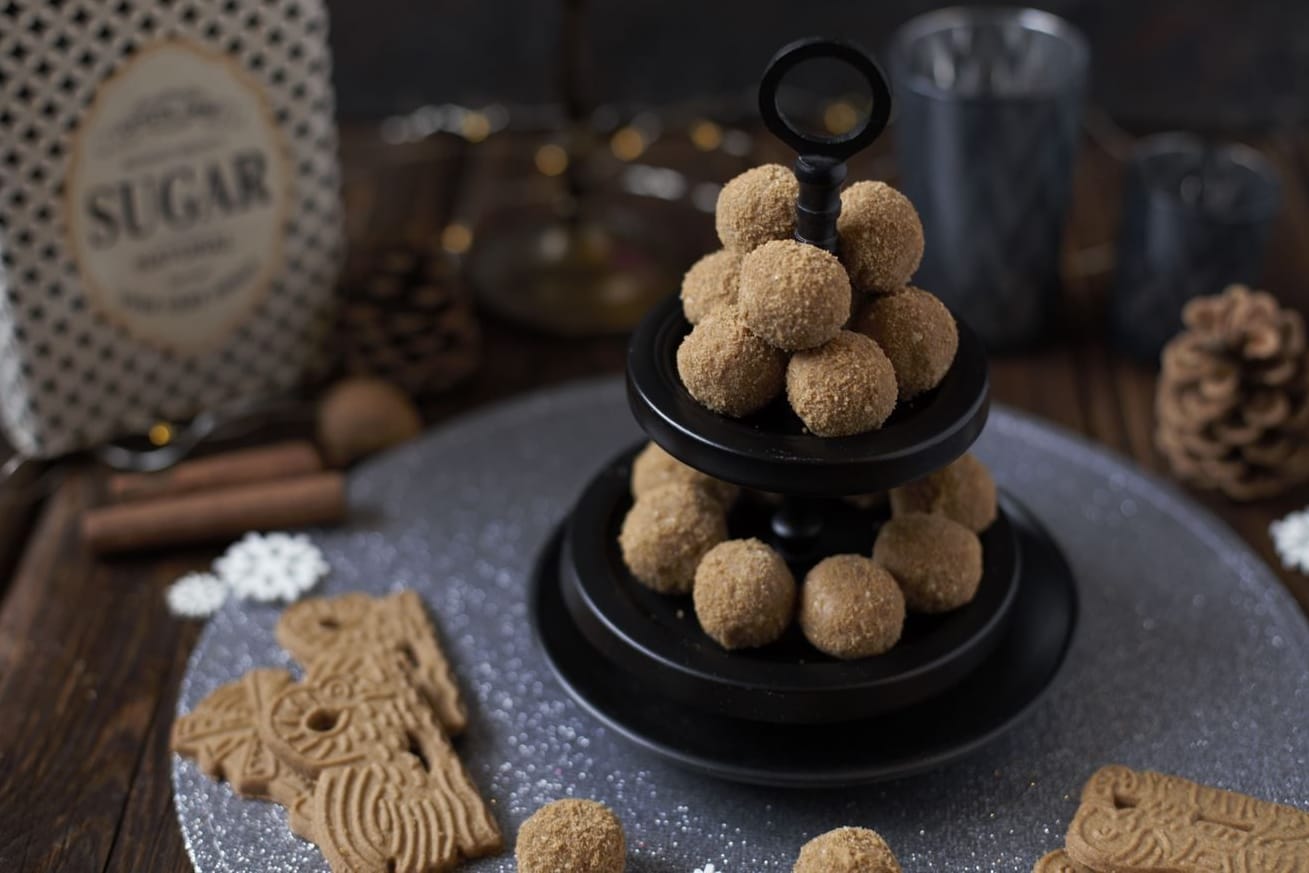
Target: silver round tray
x=1189, y=657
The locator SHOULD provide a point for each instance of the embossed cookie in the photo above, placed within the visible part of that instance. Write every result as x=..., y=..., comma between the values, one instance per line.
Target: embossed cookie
x=1059, y=862
x=398, y=623
x=401, y=812
x=1140, y=821
x=220, y=735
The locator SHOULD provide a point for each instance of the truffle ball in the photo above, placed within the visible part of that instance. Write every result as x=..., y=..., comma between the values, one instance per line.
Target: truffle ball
x=847, y=850
x=361, y=416
x=571, y=836
x=793, y=295
x=938, y=562
x=654, y=467
x=881, y=236
x=917, y=333
x=757, y=206
x=727, y=368
x=844, y=387
x=850, y=607
x=710, y=283
x=667, y=532
x=963, y=491
x=744, y=594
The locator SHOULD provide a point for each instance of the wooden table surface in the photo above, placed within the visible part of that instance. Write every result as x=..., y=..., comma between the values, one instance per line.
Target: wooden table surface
x=90, y=660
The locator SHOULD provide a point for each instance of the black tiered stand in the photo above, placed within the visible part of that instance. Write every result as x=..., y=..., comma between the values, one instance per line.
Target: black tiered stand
x=785, y=714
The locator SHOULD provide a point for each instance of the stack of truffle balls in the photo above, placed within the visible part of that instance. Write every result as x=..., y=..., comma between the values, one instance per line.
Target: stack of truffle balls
x=846, y=338
x=927, y=558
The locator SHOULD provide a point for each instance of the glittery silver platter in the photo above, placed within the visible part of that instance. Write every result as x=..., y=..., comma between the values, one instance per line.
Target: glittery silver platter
x=1189, y=658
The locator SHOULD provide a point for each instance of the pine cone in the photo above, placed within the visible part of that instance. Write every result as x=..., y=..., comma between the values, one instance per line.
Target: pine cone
x=407, y=319
x=1232, y=406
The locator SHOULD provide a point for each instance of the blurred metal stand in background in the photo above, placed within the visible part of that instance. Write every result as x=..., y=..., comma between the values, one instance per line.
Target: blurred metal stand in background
x=586, y=261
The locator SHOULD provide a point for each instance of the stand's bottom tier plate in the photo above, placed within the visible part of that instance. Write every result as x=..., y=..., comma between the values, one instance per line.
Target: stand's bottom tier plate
x=915, y=739
x=658, y=638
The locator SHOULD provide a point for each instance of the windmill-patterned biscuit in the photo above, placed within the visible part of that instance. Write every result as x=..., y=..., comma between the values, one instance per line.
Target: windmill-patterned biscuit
x=401, y=812
x=1059, y=862
x=1139, y=821
x=220, y=735
x=398, y=623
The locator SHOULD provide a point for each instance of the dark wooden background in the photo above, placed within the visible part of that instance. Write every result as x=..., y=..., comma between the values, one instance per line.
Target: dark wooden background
x=90, y=660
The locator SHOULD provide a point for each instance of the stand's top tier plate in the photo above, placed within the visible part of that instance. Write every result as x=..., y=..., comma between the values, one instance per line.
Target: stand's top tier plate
x=771, y=451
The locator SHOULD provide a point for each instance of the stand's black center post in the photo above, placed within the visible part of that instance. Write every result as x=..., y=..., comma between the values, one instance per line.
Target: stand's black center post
x=820, y=167
x=796, y=525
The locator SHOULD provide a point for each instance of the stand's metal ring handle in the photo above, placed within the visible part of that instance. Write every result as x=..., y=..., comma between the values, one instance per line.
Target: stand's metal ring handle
x=845, y=145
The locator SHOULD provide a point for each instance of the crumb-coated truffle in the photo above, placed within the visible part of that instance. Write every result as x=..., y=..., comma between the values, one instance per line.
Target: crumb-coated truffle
x=667, y=532
x=571, y=836
x=710, y=283
x=757, y=206
x=917, y=333
x=963, y=491
x=654, y=468
x=847, y=850
x=794, y=296
x=844, y=387
x=880, y=235
x=850, y=607
x=938, y=562
x=727, y=368
x=744, y=594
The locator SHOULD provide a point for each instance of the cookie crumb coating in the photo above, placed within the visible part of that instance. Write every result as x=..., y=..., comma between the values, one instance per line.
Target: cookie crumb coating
x=710, y=283
x=847, y=850
x=757, y=206
x=938, y=562
x=654, y=468
x=918, y=334
x=842, y=388
x=744, y=594
x=963, y=491
x=792, y=295
x=851, y=608
x=667, y=532
x=728, y=369
x=881, y=236
x=571, y=836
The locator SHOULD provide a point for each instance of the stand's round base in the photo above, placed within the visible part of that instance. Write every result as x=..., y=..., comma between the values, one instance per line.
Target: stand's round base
x=921, y=737
x=771, y=450
x=656, y=637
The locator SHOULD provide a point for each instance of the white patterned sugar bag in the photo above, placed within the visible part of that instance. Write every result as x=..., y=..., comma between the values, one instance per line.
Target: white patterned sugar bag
x=170, y=219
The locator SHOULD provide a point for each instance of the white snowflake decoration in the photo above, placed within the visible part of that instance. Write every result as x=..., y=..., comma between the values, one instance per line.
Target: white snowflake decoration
x=275, y=566
x=707, y=868
x=196, y=595
x=1291, y=540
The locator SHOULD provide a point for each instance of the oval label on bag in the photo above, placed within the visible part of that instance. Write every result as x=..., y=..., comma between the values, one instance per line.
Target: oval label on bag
x=177, y=195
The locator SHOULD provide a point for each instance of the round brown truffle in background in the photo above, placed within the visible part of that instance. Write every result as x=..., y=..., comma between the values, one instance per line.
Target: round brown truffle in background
x=757, y=206
x=654, y=468
x=359, y=417
x=794, y=296
x=938, y=562
x=847, y=850
x=710, y=283
x=851, y=608
x=881, y=236
x=844, y=387
x=744, y=594
x=917, y=333
x=727, y=368
x=667, y=532
x=963, y=491
x=571, y=836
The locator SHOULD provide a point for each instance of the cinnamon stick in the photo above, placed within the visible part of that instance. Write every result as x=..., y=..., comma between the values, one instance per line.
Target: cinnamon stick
x=260, y=464
x=215, y=515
